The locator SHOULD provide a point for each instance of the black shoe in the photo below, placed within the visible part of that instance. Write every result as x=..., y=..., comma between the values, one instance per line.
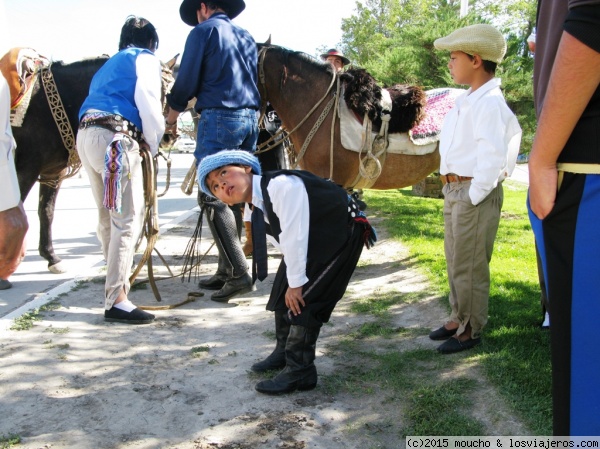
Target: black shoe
x=5, y=284
x=234, y=287
x=136, y=316
x=453, y=345
x=442, y=333
x=215, y=282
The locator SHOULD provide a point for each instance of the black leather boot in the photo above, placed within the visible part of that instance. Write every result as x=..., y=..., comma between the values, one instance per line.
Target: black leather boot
x=300, y=372
x=234, y=287
x=217, y=280
x=233, y=267
x=277, y=358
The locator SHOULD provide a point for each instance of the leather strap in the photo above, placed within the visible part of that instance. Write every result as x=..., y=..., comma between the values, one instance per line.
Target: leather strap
x=454, y=178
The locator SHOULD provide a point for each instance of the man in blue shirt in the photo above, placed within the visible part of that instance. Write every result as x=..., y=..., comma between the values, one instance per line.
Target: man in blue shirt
x=219, y=69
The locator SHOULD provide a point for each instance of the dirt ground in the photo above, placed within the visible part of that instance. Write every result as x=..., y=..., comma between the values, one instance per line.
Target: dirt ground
x=74, y=381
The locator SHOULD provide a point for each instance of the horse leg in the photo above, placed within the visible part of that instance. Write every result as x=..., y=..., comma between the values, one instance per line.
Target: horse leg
x=47, y=202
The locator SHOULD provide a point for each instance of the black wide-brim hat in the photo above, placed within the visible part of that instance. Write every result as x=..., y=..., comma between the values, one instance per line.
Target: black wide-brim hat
x=188, y=9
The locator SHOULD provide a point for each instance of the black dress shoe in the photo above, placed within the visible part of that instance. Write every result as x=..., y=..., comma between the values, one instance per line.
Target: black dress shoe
x=215, y=282
x=453, y=345
x=136, y=316
x=5, y=284
x=442, y=333
x=234, y=287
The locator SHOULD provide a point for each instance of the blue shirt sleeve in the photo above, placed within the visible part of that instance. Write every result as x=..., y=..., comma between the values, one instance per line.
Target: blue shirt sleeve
x=219, y=68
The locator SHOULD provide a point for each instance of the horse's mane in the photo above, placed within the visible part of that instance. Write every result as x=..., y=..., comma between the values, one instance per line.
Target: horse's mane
x=363, y=95
x=304, y=58
x=91, y=60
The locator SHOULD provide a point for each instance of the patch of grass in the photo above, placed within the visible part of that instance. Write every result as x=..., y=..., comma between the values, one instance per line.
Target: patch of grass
x=25, y=321
x=80, y=285
x=199, y=351
x=379, y=328
x=426, y=403
x=515, y=355
x=139, y=286
x=379, y=305
x=8, y=441
x=58, y=330
x=270, y=334
x=50, y=306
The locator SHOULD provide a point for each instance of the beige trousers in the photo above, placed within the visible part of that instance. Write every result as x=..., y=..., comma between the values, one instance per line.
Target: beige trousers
x=117, y=232
x=469, y=234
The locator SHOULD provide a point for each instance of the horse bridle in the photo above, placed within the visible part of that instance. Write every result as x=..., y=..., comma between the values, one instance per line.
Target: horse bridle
x=264, y=100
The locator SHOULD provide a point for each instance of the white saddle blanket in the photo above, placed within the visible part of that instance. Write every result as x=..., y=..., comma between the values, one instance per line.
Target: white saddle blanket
x=419, y=141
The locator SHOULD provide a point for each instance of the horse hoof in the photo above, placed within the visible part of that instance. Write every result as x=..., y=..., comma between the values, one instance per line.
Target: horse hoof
x=57, y=268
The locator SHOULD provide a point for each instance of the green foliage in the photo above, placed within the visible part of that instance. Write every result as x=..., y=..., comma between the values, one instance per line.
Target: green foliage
x=8, y=441
x=25, y=321
x=393, y=40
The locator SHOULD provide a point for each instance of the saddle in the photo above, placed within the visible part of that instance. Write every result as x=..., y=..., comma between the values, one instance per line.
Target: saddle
x=415, y=115
x=366, y=98
x=20, y=66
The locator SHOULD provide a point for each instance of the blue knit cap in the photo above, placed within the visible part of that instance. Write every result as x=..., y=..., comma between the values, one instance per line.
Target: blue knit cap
x=221, y=159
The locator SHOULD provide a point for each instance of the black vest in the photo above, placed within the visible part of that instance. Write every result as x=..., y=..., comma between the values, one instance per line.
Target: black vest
x=328, y=206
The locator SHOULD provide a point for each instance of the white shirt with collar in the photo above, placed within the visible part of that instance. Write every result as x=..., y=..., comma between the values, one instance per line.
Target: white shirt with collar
x=290, y=203
x=480, y=138
x=10, y=195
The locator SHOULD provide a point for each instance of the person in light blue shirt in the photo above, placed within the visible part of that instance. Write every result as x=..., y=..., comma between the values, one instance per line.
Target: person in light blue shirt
x=219, y=70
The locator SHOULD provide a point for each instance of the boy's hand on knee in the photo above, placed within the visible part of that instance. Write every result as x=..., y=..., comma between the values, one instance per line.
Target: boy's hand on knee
x=293, y=299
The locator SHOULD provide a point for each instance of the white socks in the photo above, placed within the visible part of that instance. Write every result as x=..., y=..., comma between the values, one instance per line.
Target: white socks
x=546, y=322
x=126, y=305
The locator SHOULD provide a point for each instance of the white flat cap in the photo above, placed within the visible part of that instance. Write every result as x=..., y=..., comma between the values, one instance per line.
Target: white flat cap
x=481, y=39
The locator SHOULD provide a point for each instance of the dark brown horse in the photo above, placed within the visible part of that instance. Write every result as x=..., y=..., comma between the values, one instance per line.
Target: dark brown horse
x=41, y=152
x=294, y=84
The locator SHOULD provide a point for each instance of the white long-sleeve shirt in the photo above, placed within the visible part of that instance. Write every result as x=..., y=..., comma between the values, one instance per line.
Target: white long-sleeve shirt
x=480, y=138
x=290, y=204
x=147, y=99
x=10, y=195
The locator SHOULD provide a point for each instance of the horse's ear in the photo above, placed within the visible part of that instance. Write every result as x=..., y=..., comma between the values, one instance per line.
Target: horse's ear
x=171, y=62
x=268, y=42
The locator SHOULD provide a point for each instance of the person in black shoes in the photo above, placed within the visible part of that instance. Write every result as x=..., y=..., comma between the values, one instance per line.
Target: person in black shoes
x=320, y=231
x=219, y=69
x=121, y=114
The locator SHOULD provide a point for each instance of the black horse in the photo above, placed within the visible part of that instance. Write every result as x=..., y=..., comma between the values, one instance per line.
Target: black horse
x=41, y=154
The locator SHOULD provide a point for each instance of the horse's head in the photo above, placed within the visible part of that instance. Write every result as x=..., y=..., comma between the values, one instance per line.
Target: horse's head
x=167, y=80
x=280, y=68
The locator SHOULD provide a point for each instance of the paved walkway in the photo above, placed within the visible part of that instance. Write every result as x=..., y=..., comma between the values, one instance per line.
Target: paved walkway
x=521, y=173
x=75, y=241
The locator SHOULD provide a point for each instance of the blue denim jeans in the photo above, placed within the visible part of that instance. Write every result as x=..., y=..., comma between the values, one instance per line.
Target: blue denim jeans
x=226, y=129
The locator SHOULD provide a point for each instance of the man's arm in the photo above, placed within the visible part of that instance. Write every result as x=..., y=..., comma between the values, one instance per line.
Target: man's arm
x=575, y=78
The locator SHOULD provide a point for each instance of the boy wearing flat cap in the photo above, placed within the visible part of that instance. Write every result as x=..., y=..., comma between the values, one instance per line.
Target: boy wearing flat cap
x=478, y=149
x=319, y=230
